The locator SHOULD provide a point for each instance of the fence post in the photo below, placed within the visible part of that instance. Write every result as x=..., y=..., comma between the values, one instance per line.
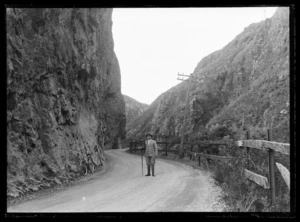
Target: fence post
x=166, y=146
x=271, y=170
x=130, y=146
x=247, y=148
x=183, y=153
x=140, y=142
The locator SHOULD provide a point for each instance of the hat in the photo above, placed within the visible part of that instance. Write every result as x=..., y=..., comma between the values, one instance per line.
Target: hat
x=149, y=134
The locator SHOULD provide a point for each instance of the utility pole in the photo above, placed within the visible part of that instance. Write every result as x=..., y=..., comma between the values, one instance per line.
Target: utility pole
x=192, y=79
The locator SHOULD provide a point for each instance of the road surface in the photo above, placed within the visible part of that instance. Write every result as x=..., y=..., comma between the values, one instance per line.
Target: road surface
x=122, y=188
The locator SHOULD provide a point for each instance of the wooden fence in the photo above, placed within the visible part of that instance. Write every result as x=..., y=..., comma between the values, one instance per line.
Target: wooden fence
x=269, y=146
x=137, y=144
x=208, y=153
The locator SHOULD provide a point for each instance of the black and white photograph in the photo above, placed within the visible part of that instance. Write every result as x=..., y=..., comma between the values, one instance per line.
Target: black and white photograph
x=149, y=109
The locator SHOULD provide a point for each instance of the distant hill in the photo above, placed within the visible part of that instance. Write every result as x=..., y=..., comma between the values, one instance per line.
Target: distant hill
x=133, y=109
x=246, y=86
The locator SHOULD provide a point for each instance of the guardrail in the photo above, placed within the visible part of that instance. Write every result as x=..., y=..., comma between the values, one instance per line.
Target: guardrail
x=270, y=147
x=134, y=144
x=267, y=145
x=206, y=157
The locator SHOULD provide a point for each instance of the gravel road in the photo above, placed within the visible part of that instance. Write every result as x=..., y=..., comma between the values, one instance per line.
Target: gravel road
x=122, y=188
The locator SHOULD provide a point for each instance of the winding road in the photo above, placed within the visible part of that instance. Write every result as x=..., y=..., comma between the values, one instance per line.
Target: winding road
x=120, y=187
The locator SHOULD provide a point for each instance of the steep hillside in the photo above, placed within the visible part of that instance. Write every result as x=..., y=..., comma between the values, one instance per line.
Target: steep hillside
x=246, y=86
x=133, y=109
x=63, y=94
x=160, y=116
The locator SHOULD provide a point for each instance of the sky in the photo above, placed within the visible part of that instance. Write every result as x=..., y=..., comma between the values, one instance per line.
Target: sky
x=153, y=45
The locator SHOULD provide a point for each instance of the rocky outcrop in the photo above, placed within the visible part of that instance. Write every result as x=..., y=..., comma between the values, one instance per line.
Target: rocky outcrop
x=133, y=109
x=245, y=86
x=63, y=94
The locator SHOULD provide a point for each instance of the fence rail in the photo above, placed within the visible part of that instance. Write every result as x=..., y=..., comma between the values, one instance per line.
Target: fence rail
x=134, y=144
x=258, y=179
x=285, y=173
x=283, y=148
x=208, y=156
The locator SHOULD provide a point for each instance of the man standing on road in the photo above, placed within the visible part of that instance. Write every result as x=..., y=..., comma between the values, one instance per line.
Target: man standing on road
x=150, y=153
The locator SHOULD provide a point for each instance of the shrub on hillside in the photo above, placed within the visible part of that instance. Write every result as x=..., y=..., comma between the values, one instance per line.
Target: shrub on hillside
x=218, y=132
x=173, y=141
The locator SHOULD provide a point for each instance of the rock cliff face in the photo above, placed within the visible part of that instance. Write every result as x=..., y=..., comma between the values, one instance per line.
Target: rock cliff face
x=134, y=109
x=63, y=94
x=245, y=86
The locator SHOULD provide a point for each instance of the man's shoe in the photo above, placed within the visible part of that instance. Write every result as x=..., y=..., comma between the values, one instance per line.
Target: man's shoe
x=148, y=169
